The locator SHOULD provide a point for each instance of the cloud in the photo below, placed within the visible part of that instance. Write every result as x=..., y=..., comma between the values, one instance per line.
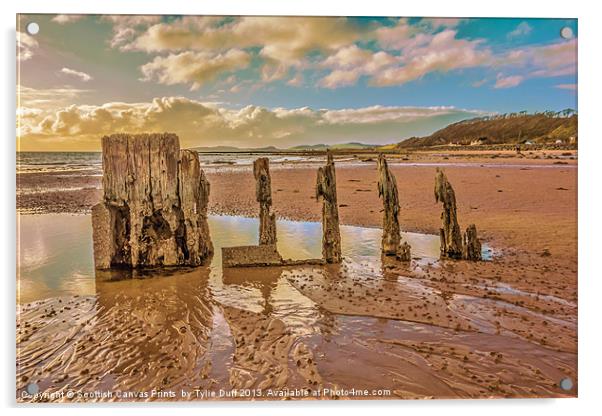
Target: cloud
x=442, y=52
x=279, y=38
x=338, y=52
x=420, y=55
x=508, y=81
x=280, y=43
x=401, y=35
x=296, y=81
x=127, y=27
x=523, y=29
x=78, y=74
x=340, y=78
x=195, y=68
x=26, y=44
x=349, y=63
x=446, y=22
x=542, y=61
x=63, y=19
x=479, y=83
x=404, y=35
x=571, y=87
x=202, y=124
x=50, y=98
x=557, y=59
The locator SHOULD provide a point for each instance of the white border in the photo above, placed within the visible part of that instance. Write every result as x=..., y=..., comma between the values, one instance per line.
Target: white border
x=590, y=174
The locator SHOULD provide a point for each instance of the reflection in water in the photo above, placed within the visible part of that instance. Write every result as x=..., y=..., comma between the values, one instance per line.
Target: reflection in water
x=359, y=324
x=182, y=328
x=54, y=256
x=55, y=250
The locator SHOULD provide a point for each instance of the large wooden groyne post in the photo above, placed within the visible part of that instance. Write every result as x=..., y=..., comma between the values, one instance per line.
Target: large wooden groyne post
x=327, y=191
x=154, y=207
x=387, y=191
x=451, y=236
x=453, y=244
x=263, y=193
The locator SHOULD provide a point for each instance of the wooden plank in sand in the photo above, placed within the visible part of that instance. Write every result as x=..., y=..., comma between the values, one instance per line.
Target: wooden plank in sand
x=246, y=256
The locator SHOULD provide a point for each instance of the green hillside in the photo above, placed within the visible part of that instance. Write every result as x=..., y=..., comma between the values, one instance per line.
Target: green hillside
x=506, y=129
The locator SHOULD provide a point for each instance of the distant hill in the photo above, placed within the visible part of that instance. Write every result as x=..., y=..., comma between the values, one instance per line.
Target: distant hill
x=233, y=149
x=342, y=146
x=300, y=148
x=508, y=129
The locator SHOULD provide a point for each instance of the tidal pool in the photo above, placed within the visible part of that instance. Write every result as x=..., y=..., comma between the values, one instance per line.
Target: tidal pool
x=54, y=251
x=387, y=328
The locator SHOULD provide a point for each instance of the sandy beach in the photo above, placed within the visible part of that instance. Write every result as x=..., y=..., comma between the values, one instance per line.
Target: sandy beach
x=506, y=327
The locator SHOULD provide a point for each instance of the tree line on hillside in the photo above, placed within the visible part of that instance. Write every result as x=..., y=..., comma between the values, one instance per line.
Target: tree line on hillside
x=566, y=113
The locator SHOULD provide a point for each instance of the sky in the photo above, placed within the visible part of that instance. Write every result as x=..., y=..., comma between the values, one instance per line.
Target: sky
x=281, y=81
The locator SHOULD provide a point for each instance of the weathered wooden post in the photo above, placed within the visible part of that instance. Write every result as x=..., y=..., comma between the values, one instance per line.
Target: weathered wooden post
x=327, y=191
x=154, y=207
x=263, y=192
x=194, y=199
x=472, y=245
x=387, y=191
x=451, y=236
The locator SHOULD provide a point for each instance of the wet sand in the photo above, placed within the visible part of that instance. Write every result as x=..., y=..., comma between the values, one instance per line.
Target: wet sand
x=431, y=329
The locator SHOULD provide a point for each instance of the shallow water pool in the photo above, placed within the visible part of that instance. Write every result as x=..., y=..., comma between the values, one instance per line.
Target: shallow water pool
x=55, y=257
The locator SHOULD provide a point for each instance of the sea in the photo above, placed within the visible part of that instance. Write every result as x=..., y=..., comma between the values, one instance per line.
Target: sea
x=90, y=163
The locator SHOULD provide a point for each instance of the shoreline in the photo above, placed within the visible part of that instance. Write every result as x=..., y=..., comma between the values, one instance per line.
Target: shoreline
x=500, y=328
x=515, y=207
x=527, y=215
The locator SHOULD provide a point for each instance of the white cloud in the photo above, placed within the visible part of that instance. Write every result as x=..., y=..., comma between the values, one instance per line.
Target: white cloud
x=78, y=74
x=193, y=50
x=547, y=61
x=282, y=39
x=479, y=83
x=202, y=124
x=553, y=60
x=63, y=19
x=401, y=35
x=50, y=98
x=508, y=81
x=26, y=44
x=195, y=68
x=349, y=63
x=413, y=51
x=340, y=78
x=523, y=29
x=443, y=52
x=281, y=43
x=127, y=27
x=571, y=87
x=296, y=81
x=445, y=22
x=410, y=53
x=378, y=113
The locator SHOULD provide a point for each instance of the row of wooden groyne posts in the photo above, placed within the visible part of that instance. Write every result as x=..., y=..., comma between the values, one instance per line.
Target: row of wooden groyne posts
x=154, y=211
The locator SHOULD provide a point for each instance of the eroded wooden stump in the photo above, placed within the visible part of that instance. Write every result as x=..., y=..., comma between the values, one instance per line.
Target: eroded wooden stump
x=453, y=244
x=472, y=245
x=387, y=191
x=451, y=237
x=326, y=189
x=263, y=193
x=154, y=208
